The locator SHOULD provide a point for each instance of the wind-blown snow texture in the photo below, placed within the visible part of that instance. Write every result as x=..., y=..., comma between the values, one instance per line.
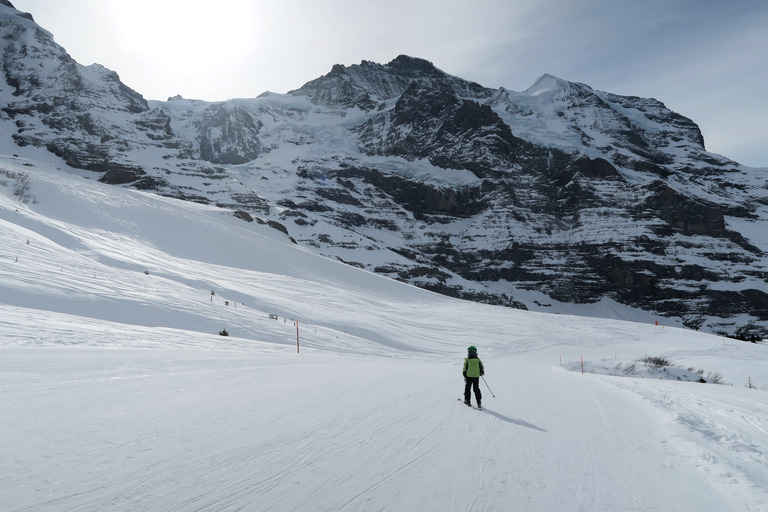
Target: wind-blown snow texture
x=559, y=198
x=118, y=393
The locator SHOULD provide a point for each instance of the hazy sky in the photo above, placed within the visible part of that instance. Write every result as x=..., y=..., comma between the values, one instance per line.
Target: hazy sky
x=705, y=59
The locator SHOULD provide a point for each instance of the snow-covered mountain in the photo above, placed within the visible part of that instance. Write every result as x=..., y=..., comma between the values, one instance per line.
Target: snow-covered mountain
x=558, y=198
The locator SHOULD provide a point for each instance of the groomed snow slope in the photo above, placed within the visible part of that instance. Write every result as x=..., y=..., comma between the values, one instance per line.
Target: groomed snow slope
x=118, y=394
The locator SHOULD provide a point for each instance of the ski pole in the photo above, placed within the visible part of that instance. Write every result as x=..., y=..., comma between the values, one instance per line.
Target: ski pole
x=489, y=387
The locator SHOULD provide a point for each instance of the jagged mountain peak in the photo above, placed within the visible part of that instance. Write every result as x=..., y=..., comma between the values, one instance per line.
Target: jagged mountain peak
x=548, y=84
x=366, y=84
x=39, y=72
x=415, y=67
x=7, y=9
x=402, y=65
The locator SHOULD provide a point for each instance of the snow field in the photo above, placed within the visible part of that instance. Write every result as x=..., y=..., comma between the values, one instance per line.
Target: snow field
x=118, y=393
x=260, y=428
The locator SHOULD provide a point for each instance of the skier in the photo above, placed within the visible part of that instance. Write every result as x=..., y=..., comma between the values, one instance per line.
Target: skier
x=473, y=369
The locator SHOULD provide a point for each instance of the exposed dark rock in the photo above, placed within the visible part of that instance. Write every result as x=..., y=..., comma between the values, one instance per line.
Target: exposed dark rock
x=276, y=225
x=150, y=183
x=240, y=214
x=596, y=168
x=120, y=176
x=228, y=134
x=420, y=198
x=684, y=214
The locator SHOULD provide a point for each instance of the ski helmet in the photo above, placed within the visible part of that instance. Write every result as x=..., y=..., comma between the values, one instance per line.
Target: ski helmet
x=472, y=348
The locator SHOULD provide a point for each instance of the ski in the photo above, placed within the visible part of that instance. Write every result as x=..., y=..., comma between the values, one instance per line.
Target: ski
x=469, y=405
x=479, y=408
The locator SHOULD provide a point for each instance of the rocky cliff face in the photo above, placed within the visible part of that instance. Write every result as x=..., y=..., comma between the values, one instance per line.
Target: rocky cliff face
x=54, y=102
x=559, y=198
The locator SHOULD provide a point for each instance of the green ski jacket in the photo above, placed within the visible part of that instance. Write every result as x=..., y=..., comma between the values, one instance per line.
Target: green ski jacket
x=473, y=367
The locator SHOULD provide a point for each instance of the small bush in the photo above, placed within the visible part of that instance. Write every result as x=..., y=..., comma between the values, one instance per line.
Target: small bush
x=750, y=384
x=20, y=184
x=714, y=377
x=655, y=362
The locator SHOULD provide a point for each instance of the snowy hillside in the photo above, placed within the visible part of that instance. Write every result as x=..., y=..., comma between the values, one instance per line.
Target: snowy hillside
x=118, y=392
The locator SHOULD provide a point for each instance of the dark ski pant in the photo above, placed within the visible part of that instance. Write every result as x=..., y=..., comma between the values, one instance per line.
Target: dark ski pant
x=469, y=383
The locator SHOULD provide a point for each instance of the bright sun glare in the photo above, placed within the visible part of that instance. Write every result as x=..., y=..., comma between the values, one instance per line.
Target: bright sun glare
x=178, y=37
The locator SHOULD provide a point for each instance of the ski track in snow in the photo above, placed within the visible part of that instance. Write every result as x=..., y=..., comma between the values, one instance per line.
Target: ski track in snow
x=118, y=394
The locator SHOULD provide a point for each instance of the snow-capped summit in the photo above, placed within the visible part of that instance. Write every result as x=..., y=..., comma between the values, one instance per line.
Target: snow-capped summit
x=367, y=84
x=7, y=9
x=548, y=84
